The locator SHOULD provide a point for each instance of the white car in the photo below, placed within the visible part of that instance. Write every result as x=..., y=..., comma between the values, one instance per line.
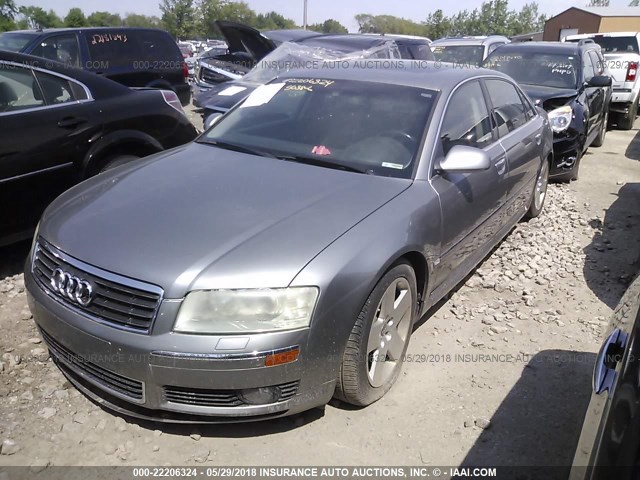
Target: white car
x=622, y=56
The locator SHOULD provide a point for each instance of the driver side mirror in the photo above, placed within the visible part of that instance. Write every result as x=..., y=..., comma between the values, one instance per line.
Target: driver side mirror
x=600, y=81
x=462, y=159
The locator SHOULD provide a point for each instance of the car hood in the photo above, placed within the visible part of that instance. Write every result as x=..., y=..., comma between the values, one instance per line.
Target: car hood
x=223, y=96
x=199, y=217
x=549, y=97
x=242, y=38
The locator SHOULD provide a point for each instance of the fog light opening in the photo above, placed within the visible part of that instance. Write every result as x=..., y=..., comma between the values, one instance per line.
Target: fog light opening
x=260, y=396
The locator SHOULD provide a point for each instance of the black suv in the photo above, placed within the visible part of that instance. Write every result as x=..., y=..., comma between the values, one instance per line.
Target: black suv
x=570, y=81
x=135, y=57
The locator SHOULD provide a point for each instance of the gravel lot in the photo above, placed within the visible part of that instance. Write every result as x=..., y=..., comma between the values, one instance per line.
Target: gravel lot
x=499, y=373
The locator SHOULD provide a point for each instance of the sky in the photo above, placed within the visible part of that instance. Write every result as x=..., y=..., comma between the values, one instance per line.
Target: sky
x=319, y=10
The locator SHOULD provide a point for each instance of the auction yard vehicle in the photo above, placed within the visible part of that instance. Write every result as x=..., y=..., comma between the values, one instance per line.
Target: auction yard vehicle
x=245, y=47
x=314, y=52
x=622, y=58
x=466, y=50
x=61, y=125
x=283, y=257
x=609, y=446
x=135, y=57
x=570, y=82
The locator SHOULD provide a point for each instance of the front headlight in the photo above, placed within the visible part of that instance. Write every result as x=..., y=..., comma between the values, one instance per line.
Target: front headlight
x=560, y=118
x=246, y=311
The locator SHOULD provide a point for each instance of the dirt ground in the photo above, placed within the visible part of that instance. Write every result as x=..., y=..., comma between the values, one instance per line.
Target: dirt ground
x=498, y=374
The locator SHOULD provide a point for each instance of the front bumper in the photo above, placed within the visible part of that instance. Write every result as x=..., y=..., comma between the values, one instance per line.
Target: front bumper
x=173, y=377
x=566, y=152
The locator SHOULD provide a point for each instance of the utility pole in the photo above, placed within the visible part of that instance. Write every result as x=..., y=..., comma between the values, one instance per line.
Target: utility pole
x=304, y=19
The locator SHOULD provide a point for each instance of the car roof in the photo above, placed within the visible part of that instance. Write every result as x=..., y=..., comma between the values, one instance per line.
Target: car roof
x=100, y=87
x=608, y=34
x=346, y=41
x=77, y=29
x=292, y=35
x=439, y=76
x=476, y=40
x=548, y=47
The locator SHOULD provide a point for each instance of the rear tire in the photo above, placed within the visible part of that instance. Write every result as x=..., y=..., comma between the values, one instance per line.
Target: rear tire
x=376, y=347
x=116, y=161
x=539, y=192
x=599, y=140
x=626, y=123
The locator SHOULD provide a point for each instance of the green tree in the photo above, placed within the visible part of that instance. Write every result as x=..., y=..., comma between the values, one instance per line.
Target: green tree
x=75, y=18
x=178, y=18
x=388, y=24
x=634, y=3
x=36, y=17
x=273, y=21
x=8, y=13
x=104, y=19
x=598, y=3
x=143, y=21
x=329, y=26
x=211, y=10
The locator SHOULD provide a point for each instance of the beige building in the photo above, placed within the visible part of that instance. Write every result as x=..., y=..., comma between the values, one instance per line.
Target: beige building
x=592, y=20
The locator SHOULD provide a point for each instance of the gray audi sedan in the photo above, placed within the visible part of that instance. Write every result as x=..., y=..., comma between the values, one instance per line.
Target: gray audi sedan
x=283, y=257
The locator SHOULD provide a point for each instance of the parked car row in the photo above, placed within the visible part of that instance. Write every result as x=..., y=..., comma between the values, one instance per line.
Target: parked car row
x=245, y=267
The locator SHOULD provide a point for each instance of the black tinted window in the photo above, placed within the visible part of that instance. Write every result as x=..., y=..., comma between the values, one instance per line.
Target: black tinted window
x=123, y=47
x=617, y=44
x=55, y=89
x=60, y=48
x=15, y=42
x=18, y=89
x=508, y=110
x=466, y=121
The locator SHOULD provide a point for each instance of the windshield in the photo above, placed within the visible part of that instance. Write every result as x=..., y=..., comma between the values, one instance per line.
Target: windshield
x=295, y=56
x=465, y=54
x=369, y=127
x=534, y=68
x=15, y=42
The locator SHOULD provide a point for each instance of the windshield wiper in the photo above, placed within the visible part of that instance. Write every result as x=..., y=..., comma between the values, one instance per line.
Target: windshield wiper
x=321, y=162
x=238, y=148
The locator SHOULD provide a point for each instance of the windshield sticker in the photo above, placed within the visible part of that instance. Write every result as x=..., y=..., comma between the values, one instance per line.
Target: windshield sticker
x=261, y=95
x=298, y=88
x=231, y=91
x=108, y=37
x=397, y=166
x=562, y=69
x=311, y=81
x=320, y=150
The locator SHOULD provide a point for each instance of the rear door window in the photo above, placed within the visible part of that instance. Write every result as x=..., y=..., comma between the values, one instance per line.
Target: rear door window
x=60, y=48
x=18, y=89
x=617, y=44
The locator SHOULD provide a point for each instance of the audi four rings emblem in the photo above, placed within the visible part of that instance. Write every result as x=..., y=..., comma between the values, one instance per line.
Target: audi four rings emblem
x=73, y=288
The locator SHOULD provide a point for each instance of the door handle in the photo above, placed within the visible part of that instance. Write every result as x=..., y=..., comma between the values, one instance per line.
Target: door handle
x=538, y=138
x=71, y=122
x=611, y=353
x=501, y=166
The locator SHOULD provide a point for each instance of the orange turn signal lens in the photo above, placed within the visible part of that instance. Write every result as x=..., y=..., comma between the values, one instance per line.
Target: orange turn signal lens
x=282, y=357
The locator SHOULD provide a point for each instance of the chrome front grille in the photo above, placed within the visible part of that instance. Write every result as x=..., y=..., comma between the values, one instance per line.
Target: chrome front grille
x=116, y=301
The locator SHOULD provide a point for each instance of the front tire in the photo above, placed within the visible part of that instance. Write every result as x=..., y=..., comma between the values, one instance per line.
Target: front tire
x=116, y=161
x=539, y=192
x=599, y=140
x=376, y=347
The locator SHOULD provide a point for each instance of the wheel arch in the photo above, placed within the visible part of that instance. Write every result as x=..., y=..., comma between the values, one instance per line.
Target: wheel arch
x=132, y=142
